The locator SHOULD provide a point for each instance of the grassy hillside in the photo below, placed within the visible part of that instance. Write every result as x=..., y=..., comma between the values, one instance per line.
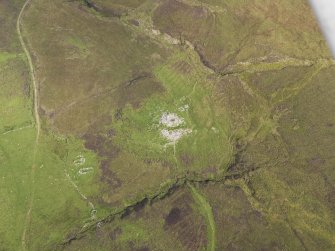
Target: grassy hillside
x=165, y=125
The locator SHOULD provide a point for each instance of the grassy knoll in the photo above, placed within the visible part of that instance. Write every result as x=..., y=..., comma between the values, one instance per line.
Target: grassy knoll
x=207, y=148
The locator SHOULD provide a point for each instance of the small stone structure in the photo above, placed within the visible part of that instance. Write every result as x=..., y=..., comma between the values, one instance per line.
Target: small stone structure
x=171, y=122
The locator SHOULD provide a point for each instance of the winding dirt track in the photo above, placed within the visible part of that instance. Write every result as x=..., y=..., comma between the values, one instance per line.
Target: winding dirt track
x=207, y=212
x=37, y=121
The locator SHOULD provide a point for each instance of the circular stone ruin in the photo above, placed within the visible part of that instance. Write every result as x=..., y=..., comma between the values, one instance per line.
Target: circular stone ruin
x=170, y=121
